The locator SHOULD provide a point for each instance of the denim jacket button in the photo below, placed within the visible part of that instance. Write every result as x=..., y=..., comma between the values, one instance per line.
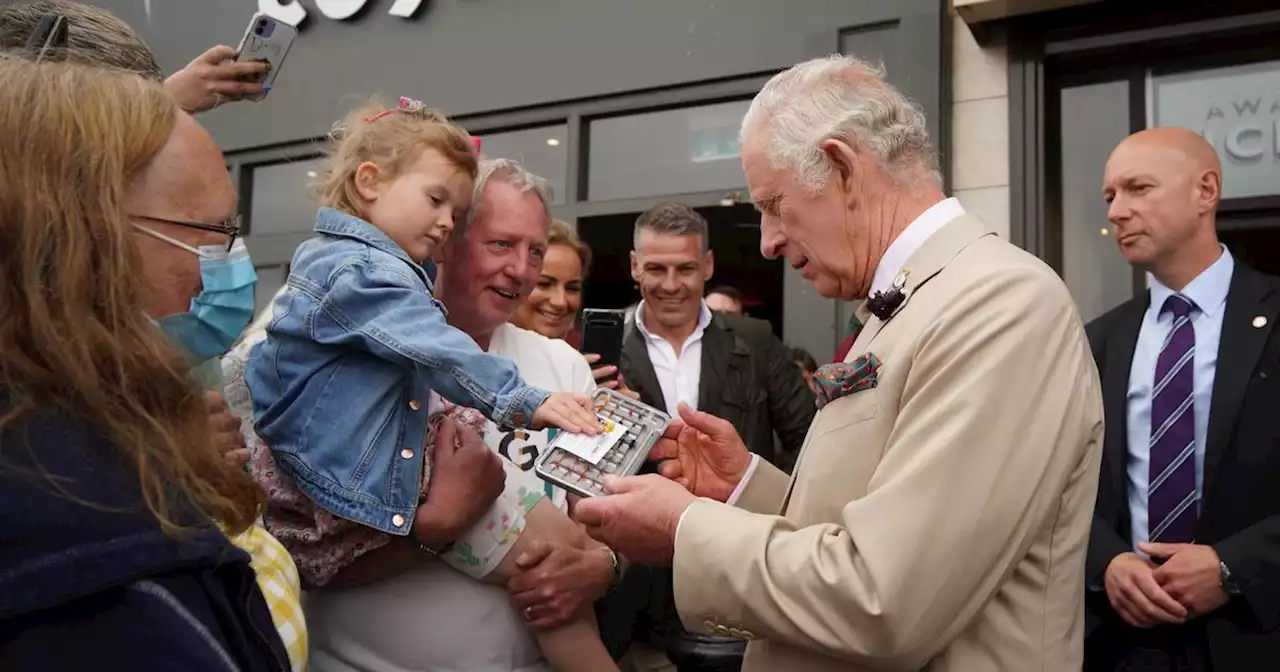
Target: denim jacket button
x=518, y=419
x=415, y=404
x=397, y=520
x=407, y=453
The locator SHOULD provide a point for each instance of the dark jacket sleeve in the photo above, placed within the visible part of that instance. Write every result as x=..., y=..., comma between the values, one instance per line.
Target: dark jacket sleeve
x=1104, y=542
x=791, y=402
x=1253, y=556
x=161, y=624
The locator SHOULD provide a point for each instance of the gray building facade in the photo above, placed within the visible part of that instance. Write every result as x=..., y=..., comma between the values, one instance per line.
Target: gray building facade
x=620, y=103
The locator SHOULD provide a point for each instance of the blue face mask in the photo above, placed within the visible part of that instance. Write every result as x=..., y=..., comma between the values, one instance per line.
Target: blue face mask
x=222, y=309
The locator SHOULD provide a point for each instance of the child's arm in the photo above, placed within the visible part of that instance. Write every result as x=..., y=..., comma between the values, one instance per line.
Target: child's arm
x=388, y=313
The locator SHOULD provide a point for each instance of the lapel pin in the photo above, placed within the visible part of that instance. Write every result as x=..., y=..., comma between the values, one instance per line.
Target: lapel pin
x=1259, y=322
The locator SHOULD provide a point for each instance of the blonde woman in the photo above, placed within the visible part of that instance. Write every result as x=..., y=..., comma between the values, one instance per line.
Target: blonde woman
x=109, y=480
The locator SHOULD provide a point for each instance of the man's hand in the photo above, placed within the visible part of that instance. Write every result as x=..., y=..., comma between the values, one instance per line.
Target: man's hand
x=213, y=79
x=466, y=478
x=703, y=453
x=638, y=519
x=558, y=582
x=225, y=426
x=1190, y=574
x=618, y=383
x=1136, y=596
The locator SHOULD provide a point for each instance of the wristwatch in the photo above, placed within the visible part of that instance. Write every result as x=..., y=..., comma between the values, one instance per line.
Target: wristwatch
x=617, y=569
x=1228, y=584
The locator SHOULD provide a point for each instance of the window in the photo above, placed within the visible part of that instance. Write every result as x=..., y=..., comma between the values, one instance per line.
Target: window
x=1095, y=118
x=281, y=199
x=686, y=150
x=544, y=151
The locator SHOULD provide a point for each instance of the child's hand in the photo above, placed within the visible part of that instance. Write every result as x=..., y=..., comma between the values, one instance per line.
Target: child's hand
x=570, y=412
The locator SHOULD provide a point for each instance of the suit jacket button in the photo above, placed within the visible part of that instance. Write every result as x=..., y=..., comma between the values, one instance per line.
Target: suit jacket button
x=710, y=625
x=415, y=404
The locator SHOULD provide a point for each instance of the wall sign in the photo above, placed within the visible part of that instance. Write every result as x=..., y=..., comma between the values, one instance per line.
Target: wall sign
x=293, y=12
x=1237, y=109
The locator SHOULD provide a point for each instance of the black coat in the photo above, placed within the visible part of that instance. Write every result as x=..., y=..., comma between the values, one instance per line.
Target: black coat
x=101, y=587
x=1240, y=510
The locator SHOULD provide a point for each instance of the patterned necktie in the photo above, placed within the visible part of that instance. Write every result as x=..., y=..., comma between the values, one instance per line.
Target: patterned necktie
x=1171, y=493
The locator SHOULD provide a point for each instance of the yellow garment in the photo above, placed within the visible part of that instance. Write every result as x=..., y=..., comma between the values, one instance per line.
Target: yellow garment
x=278, y=580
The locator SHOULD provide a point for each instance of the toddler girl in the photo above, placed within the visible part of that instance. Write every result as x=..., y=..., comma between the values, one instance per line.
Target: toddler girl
x=358, y=363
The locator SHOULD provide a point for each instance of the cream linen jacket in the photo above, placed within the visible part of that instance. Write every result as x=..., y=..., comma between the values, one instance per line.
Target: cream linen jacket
x=938, y=521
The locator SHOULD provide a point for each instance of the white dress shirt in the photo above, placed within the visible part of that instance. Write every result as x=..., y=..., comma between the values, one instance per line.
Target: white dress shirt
x=894, y=260
x=1208, y=291
x=678, y=374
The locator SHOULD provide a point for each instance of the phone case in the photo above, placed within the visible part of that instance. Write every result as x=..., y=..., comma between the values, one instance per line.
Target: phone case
x=643, y=425
x=266, y=39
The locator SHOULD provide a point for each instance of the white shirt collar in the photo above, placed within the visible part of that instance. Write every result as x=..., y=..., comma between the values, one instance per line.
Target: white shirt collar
x=911, y=239
x=1208, y=291
x=704, y=319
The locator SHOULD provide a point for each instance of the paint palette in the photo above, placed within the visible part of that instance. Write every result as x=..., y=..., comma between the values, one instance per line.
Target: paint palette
x=579, y=463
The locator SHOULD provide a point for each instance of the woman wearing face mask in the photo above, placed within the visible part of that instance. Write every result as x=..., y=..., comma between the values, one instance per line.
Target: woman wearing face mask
x=552, y=306
x=110, y=484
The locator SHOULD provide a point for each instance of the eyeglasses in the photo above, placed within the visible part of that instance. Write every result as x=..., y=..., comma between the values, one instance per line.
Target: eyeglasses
x=229, y=228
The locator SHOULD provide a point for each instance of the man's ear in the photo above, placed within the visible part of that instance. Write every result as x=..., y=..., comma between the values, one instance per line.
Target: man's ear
x=1208, y=191
x=844, y=159
x=368, y=180
x=709, y=265
x=636, y=271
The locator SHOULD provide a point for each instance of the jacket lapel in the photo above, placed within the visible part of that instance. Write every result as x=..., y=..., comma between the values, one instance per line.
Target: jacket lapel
x=1240, y=347
x=927, y=262
x=639, y=370
x=1115, y=392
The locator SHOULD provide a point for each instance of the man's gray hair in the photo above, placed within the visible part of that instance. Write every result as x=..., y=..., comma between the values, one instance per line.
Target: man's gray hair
x=508, y=171
x=95, y=36
x=673, y=219
x=844, y=98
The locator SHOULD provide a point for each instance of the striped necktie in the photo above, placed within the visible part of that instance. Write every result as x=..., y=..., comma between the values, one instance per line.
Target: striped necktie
x=1171, y=494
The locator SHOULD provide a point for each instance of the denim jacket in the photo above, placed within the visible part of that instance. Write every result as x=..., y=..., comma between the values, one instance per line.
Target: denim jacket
x=340, y=386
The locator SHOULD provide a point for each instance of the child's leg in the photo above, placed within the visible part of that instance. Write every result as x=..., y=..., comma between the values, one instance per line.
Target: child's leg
x=575, y=645
x=489, y=550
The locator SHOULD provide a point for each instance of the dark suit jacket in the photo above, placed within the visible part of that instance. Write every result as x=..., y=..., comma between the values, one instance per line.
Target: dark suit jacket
x=748, y=379
x=1240, y=509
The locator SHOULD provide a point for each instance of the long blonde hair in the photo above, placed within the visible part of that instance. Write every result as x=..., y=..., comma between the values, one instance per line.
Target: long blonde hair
x=74, y=336
x=391, y=138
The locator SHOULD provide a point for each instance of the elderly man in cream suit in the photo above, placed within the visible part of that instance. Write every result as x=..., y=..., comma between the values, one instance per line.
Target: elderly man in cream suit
x=940, y=508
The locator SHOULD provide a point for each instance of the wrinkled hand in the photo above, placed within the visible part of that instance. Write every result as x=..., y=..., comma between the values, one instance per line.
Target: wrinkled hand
x=570, y=412
x=638, y=518
x=213, y=79
x=1190, y=574
x=466, y=478
x=618, y=383
x=225, y=426
x=558, y=582
x=703, y=453
x=1137, y=596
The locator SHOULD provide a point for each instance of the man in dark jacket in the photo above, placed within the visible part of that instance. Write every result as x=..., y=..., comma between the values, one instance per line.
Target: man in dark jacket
x=731, y=366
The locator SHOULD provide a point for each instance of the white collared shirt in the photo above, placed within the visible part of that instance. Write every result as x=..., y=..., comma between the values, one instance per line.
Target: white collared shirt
x=895, y=258
x=678, y=375
x=911, y=239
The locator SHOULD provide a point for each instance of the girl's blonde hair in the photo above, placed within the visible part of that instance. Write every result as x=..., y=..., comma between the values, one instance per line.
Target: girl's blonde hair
x=75, y=341
x=392, y=139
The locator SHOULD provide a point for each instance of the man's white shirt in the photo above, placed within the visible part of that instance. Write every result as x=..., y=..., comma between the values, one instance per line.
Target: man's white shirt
x=678, y=374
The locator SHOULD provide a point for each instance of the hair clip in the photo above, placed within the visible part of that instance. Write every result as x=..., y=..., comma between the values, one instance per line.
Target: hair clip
x=405, y=105
x=476, y=141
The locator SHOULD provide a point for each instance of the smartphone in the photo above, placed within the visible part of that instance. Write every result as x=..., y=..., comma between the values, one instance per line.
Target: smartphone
x=602, y=332
x=267, y=40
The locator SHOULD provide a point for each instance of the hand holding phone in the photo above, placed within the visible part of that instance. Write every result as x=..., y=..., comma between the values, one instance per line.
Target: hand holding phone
x=267, y=40
x=214, y=78
x=602, y=333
